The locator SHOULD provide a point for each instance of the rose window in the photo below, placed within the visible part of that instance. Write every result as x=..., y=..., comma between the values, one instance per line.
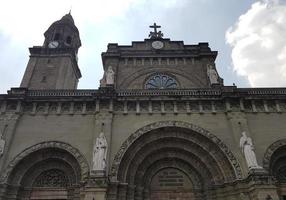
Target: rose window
x=161, y=81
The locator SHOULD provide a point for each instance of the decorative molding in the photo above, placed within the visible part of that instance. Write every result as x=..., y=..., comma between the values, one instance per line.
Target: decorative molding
x=48, y=144
x=118, y=157
x=143, y=92
x=9, y=117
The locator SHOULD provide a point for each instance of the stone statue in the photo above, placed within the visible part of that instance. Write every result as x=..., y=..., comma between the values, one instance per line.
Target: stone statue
x=2, y=146
x=247, y=149
x=2, y=141
x=100, y=153
x=108, y=77
x=212, y=74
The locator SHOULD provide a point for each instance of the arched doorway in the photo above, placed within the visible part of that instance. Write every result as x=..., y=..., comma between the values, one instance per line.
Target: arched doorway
x=172, y=160
x=51, y=170
x=171, y=183
x=275, y=162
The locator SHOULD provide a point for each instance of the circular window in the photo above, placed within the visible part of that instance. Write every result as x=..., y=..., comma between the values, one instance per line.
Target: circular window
x=160, y=81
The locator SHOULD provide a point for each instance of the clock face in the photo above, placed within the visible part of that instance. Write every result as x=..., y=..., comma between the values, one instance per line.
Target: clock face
x=157, y=45
x=53, y=44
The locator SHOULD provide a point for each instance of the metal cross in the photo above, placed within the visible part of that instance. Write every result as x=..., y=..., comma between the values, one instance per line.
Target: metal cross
x=155, y=27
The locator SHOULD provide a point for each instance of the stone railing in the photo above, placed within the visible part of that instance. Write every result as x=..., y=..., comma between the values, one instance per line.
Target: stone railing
x=182, y=92
x=61, y=93
x=205, y=92
x=211, y=100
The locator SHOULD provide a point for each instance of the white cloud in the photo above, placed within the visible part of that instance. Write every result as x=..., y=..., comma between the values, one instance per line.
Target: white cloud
x=25, y=16
x=258, y=42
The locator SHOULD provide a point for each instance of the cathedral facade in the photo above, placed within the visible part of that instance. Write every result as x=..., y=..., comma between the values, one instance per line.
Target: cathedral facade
x=161, y=126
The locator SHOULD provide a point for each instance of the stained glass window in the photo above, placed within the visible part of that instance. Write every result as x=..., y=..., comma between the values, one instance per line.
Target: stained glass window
x=161, y=81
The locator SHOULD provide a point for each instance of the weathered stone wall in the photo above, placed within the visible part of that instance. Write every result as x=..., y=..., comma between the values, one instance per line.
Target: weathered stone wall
x=134, y=64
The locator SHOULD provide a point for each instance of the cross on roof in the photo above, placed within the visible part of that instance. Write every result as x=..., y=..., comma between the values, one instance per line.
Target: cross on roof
x=155, y=27
x=155, y=34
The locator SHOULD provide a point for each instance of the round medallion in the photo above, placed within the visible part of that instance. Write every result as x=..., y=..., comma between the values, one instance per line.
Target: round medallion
x=157, y=44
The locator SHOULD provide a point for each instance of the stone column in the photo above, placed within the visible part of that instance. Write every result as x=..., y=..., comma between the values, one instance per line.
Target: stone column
x=112, y=191
x=130, y=192
x=3, y=189
x=122, y=193
x=146, y=194
x=138, y=193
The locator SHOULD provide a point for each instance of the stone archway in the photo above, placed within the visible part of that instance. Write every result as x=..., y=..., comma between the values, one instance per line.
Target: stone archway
x=198, y=160
x=52, y=170
x=275, y=163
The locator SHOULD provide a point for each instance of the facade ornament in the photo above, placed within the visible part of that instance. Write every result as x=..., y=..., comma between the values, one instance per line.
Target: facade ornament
x=247, y=149
x=212, y=74
x=99, y=153
x=155, y=34
x=2, y=141
x=108, y=77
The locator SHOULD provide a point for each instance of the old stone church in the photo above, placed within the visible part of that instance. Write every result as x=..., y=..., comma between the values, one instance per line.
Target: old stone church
x=161, y=126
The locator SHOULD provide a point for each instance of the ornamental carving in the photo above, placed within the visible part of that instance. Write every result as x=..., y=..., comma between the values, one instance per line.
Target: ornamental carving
x=50, y=144
x=127, y=143
x=52, y=178
x=9, y=117
x=161, y=81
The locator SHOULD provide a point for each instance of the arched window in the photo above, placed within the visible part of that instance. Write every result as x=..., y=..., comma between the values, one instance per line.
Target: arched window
x=161, y=81
x=68, y=40
x=57, y=36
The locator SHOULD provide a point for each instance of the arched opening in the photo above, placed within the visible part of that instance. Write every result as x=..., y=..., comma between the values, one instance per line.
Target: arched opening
x=172, y=162
x=50, y=172
x=57, y=37
x=275, y=163
x=68, y=40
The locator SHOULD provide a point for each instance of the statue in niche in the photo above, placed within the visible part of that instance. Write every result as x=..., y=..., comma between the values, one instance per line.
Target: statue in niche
x=99, y=153
x=247, y=149
x=2, y=141
x=212, y=74
x=108, y=77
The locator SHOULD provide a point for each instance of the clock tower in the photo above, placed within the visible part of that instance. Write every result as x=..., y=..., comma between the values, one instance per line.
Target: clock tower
x=54, y=64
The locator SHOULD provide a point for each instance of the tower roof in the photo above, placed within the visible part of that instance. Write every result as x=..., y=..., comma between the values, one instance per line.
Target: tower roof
x=67, y=18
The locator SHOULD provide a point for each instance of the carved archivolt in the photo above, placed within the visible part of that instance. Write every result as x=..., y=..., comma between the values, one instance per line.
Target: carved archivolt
x=270, y=150
x=124, y=147
x=50, y=144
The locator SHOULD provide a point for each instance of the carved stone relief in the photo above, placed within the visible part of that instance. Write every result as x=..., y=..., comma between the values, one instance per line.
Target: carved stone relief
x=52, y=178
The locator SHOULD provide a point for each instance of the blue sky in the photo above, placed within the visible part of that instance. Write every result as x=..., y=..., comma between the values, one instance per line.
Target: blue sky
x=247, y=34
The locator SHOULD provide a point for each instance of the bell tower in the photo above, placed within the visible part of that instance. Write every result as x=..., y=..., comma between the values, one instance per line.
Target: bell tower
x=54, y=64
